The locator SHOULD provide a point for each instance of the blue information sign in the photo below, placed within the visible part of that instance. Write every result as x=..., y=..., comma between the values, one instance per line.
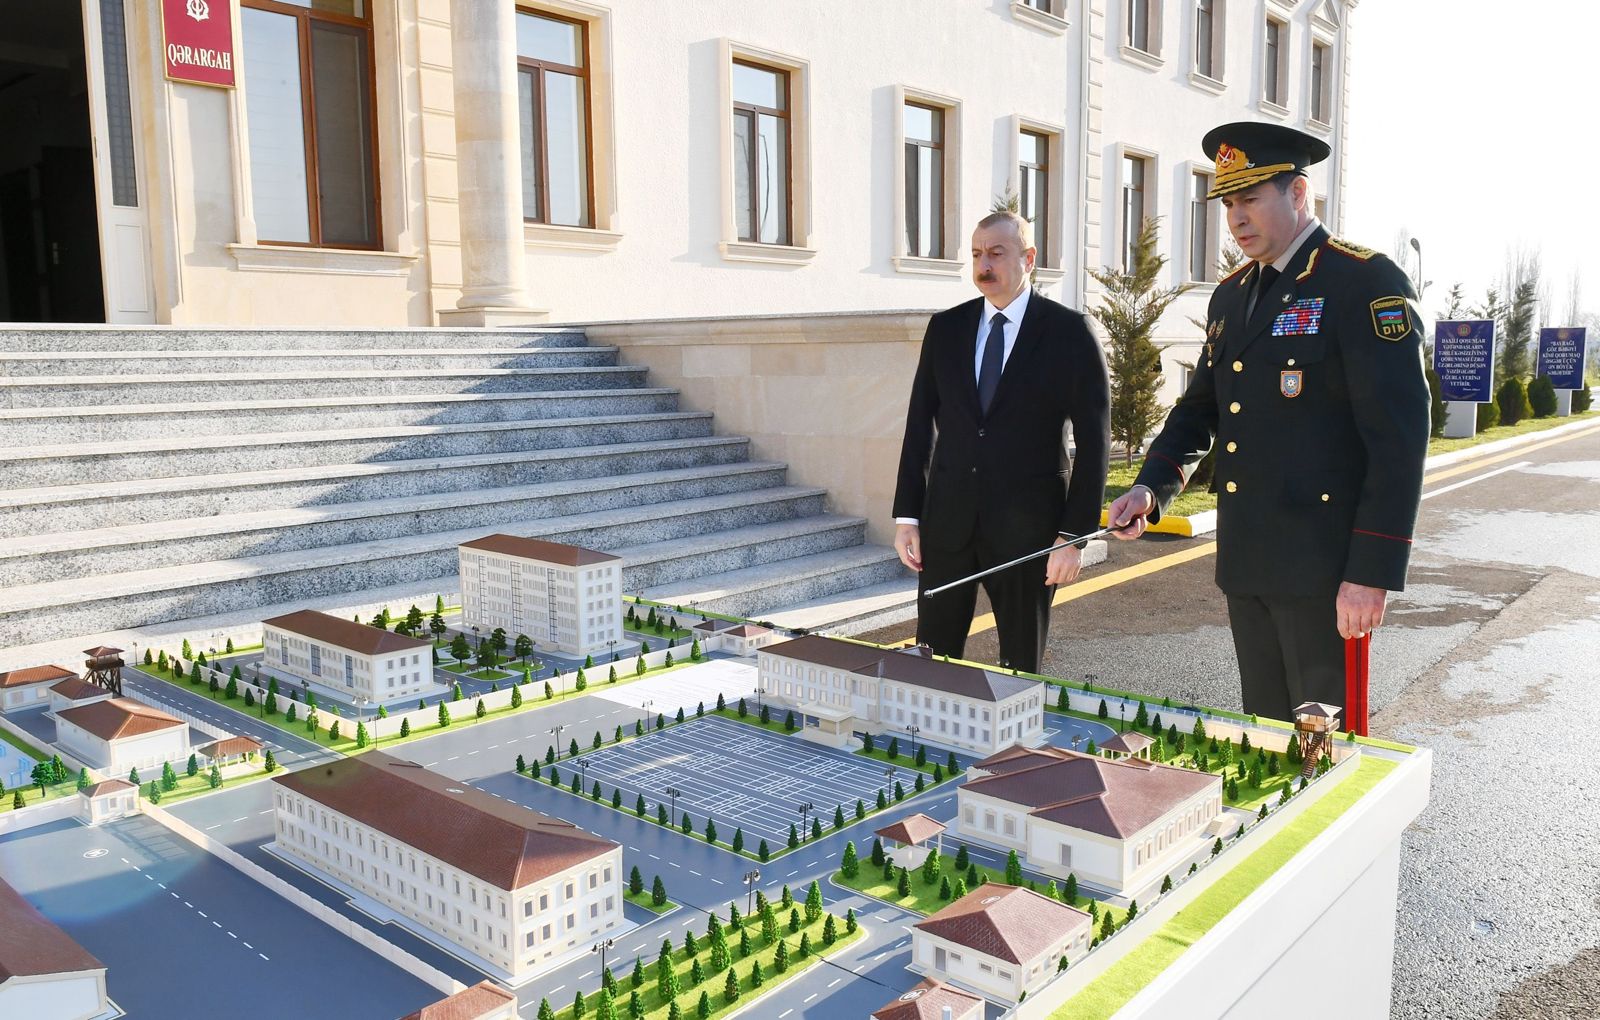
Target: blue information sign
x=1561, y=356
x=1463, y=355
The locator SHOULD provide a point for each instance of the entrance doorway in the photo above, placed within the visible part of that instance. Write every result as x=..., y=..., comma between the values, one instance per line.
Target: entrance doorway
x=50, y=267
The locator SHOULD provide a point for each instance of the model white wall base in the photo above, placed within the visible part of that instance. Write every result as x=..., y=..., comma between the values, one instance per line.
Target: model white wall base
x=1331, y=905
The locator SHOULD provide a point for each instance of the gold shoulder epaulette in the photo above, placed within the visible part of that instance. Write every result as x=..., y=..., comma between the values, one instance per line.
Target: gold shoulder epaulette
x=1242, y=269
x=1355, y=251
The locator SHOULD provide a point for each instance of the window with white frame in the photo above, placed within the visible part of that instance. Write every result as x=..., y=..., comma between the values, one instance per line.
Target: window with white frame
x=1202, y=238
x=1275, y=61
x=1321, y=82
x=553, y=112
x=761, y=144
x=1033, y=189
x=923, y=136
x=1210, y=33
x=1135, y=173
x=1144, y=26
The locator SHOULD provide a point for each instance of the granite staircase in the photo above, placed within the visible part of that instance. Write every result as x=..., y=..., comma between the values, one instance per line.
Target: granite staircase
x=162, y=480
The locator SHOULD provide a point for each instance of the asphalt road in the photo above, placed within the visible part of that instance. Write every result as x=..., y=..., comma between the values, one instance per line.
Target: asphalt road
x=1489, y=658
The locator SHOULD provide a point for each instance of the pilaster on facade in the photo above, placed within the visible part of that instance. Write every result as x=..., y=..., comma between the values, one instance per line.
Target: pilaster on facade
x=1094, y=120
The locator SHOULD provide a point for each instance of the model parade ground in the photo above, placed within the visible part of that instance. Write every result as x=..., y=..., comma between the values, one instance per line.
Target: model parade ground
x=709, y=828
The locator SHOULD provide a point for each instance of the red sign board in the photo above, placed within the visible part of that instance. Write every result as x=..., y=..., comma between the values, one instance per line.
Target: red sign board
x=198, y=38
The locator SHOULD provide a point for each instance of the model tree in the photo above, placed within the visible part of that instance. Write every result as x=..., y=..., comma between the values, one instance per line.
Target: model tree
x=460, y=648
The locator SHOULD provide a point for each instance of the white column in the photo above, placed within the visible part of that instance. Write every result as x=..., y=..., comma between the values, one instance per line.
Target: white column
x=483, y=49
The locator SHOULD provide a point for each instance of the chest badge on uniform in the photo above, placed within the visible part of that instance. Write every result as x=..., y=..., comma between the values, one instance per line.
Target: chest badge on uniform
x=1303, y=318
x=1291, y=382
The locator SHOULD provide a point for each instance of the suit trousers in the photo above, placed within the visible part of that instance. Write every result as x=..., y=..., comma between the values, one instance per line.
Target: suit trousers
x=1019, y=597
x=1289, y=650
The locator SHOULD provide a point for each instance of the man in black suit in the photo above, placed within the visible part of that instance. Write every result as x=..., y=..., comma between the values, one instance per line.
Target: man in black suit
x=1312, y=388
x=983, y=466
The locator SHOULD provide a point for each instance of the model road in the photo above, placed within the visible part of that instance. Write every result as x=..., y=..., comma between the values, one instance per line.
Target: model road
x=289, y=749
x=186, y=937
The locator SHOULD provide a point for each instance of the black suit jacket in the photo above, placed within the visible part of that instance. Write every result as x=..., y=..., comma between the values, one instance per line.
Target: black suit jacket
x=1319, y=409
x=1004, y=476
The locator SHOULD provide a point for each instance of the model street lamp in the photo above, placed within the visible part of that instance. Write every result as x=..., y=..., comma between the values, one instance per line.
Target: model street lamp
x=555, y=731
x=750, y=879
x=601, y=947
x=645, y=707
x=757, y=693
x=913, y=730
x=888, y=781
x=674, y=793
x=583, y=772
x=804, y=809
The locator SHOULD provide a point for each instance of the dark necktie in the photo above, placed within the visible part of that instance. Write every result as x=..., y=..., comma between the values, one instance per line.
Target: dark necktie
x=994, y=355
x=1269, y=276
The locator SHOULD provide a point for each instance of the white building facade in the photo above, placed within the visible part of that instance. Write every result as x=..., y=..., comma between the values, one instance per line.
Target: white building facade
x=638, y=187
x=1118, y=825
x=999, y=940
x=22, y=689
x=1161, y=73
x=354, y=659
x=120, y=734
x=563, y=597
x=841, y=688
x=514, y=888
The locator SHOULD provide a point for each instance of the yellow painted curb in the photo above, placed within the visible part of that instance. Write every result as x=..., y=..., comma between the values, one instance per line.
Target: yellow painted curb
x=1182, y=526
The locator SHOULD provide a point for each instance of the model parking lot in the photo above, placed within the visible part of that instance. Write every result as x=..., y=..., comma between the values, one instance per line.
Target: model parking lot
x=737, y=775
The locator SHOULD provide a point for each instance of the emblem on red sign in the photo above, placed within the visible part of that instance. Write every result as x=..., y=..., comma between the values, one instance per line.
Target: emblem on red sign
x=197, y=37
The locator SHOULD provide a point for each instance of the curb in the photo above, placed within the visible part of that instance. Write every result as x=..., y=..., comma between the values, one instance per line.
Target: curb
x=1509, y=443
x=1202, y=523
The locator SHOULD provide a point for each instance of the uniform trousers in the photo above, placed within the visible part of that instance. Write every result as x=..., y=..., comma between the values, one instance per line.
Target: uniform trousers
x=1289, y=650
x=1019, y=597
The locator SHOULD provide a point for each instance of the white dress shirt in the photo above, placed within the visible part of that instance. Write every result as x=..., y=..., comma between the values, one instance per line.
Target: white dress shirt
x=1013, y=313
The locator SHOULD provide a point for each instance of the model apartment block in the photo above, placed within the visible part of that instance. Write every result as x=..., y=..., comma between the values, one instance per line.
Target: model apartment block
x=508, y=885
x=566, y=598
x=1118, y=824
x=842, y=688
x=350, y=657
x=44, y=973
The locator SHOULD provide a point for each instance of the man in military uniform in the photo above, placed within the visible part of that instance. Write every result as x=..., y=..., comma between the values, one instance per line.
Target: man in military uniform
x=1311, y=385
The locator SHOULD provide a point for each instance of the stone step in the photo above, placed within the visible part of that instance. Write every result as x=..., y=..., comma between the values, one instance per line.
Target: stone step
x=243, y=626
x=96, y=391
x=144, y=598
x=174, y=544
x=188, y=338
x=753, y=591
x=38, y=426
x=149, y=500
x=203, y=362
x=193, y=456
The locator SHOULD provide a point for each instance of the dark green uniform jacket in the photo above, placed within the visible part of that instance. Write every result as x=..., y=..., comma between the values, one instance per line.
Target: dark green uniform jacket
x=1319, y=409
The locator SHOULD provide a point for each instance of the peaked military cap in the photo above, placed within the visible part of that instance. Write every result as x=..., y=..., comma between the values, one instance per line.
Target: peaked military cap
x=1247, y=153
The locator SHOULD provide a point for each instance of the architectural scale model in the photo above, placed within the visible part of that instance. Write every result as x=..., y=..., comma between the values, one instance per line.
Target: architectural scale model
x=932, y=999
x=843, y=688
x=510, y=886
x=483, y=1001
x=44, y=974
x=356, y=660
x=564, y=597
x=22, y=689
x=1000, y=940
x=1115, y=823
x=118, y=734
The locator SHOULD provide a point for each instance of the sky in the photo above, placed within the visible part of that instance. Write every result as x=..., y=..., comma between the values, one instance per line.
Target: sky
x=1475, y=126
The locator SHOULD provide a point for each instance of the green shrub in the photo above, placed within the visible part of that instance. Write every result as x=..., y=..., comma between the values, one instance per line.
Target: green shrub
x=1436, y=391
x=1542, y=397
x=1582, y=399
x=1488, y=416
x=1513, y=401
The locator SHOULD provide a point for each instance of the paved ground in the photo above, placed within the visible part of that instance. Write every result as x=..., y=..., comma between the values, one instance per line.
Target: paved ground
x=186, y=937
x=688, y=687
x=1488, y=658
x=736, y=775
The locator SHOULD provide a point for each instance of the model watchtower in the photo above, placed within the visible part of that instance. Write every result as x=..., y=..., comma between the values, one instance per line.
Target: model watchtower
x=103, y=668
x=1314, y=724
